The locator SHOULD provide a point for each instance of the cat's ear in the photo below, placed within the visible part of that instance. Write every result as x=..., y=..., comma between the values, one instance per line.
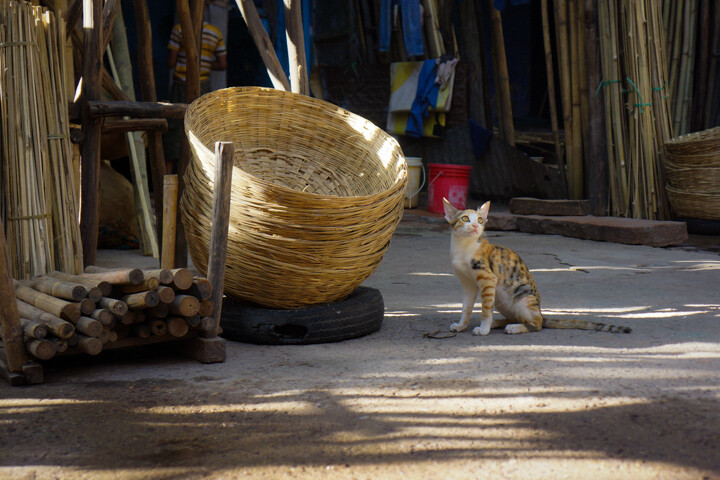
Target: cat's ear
x=483, y=211
x=450, y=211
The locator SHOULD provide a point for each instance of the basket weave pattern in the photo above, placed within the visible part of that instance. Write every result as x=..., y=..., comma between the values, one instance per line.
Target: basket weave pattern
x=692, y=168
x=317, y=193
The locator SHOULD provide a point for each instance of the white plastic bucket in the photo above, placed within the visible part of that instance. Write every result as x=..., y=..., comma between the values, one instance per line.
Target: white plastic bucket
x=415, y=172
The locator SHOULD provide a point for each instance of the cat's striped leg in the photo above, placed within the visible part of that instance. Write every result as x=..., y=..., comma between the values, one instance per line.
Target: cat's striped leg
x=487, y=293
x=500, y=323
x=469, y=295
x=527, y=311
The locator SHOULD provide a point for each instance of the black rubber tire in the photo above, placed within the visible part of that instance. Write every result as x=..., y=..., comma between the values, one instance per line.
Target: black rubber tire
x=359, y=314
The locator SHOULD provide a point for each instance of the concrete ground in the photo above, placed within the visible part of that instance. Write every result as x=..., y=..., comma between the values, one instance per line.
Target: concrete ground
x=399, y=404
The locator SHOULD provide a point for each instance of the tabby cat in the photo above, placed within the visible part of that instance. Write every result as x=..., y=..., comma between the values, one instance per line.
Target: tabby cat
x=502, y=279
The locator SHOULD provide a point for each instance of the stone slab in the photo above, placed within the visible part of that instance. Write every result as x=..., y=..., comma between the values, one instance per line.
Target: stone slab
x=629, y=231
x=537, y=206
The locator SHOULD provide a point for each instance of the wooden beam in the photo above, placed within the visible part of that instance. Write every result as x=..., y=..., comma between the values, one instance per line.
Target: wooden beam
x=110, y=108
x=219, y=231
x=114, y=124
x=92, y=90
x=110, y=11
x=296, y=47
x=170, y=190
x=71, y=15
x=149, y=94
x=190, y=45
x=264, y=45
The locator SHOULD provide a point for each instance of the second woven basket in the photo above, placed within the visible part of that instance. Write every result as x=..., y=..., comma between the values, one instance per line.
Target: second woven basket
x=317, y=193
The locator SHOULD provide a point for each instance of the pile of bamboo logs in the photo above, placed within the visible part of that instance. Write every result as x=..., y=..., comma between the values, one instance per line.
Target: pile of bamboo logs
x=99, y=309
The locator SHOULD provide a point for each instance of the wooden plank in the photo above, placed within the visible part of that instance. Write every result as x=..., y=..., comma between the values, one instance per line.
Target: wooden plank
x=219, y=230
x=170, y=196
x=535, y=206
x=113, y=124
x=114, y=108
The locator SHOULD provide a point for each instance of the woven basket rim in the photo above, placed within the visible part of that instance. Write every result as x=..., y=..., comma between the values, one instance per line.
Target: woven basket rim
x=695, y=137
x=398, y=182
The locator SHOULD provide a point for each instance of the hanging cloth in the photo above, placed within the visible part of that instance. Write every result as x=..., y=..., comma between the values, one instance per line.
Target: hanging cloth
x=427, y=94
x=412, y=25
x=413, y=28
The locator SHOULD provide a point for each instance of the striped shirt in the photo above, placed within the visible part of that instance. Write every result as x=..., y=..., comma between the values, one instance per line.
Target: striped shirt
x=212, y=45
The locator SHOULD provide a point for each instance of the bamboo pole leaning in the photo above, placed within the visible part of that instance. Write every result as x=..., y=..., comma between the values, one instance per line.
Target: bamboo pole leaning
x=502, y=81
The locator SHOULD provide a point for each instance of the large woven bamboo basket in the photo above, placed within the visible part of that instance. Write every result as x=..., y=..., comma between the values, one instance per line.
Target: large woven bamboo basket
x=317, y=193
x=692, y=168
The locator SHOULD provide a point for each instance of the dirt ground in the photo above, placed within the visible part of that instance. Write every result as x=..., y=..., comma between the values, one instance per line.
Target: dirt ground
x=396, y=404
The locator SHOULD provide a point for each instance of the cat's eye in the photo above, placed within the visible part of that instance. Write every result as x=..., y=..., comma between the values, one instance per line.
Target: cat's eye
x=481, y=221
x=465, y=218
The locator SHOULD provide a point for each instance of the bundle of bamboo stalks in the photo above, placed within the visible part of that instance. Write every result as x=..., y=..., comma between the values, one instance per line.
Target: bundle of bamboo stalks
x=679, y=21
x=637, y=109
x=39, y=207
x=99, y=309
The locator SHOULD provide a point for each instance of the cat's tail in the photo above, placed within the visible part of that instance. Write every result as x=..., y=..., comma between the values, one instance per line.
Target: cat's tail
x=584, y=325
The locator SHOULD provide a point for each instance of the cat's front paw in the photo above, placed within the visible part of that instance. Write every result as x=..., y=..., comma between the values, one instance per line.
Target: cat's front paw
x=457, y=327
x=481, y=331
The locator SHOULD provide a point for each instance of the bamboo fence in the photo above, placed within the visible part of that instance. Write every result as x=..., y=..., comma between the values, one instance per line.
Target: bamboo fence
x=40, y=207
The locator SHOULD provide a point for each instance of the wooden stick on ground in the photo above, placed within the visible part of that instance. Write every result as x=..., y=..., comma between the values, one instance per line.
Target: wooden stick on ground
x=219, y=232
x=182, y=278
x=170, y=194
x=124, y=276
x=55, y=324
x=105, y=287
x=60, y=308
x=164, y=275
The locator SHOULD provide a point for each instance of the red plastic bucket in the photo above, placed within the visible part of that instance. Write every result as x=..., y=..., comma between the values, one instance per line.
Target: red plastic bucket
x=449, y=181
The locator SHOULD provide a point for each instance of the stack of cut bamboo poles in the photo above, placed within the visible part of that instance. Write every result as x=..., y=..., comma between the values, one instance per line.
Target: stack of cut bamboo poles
x=637, y=109
x=99, y=309
x=39, y=208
